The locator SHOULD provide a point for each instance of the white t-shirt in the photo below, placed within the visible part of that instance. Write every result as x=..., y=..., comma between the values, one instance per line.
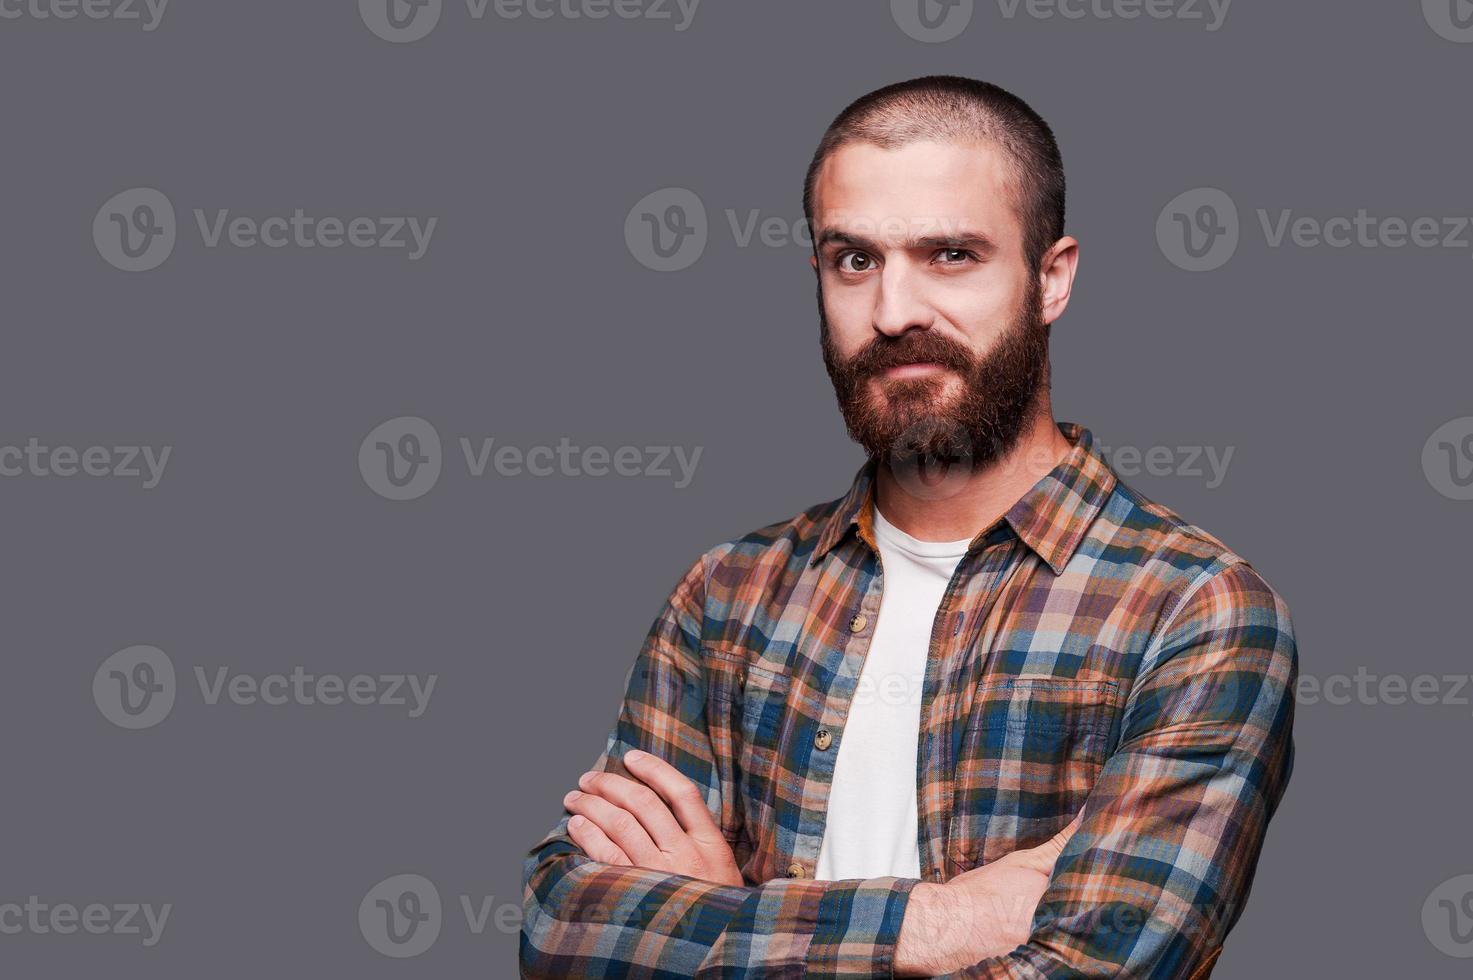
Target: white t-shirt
x=872, y=822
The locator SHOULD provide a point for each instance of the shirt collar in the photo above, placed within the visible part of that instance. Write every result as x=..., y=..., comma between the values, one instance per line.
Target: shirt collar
x=1051, y=518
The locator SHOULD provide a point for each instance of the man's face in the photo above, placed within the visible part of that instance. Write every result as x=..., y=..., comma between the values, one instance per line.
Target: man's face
x=932, y=329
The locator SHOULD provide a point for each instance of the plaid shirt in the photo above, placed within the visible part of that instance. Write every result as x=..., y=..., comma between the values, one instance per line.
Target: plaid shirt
x=1092, y=650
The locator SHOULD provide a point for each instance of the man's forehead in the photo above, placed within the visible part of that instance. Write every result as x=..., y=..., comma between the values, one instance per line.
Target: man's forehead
x=919, y=190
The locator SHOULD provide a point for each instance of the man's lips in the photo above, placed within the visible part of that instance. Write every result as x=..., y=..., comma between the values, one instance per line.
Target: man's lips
x=915, y=370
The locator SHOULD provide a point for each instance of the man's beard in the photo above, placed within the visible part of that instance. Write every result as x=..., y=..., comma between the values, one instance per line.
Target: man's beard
x=909, y=427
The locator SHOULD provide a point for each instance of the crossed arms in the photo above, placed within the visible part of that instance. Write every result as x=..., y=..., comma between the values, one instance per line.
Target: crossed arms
x=1153, y=876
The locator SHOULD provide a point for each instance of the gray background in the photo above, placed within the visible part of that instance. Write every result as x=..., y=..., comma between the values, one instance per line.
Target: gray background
x=529, y=320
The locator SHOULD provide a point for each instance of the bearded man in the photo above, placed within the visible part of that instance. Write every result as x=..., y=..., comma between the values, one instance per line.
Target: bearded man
x=991, y=713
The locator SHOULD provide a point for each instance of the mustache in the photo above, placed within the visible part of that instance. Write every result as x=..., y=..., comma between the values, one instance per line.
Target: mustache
x=912, y=347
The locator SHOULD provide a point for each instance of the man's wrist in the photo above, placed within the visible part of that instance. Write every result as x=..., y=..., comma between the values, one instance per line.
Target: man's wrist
x=930, y=933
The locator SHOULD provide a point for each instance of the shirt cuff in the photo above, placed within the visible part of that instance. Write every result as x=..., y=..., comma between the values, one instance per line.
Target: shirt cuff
x=856, y=926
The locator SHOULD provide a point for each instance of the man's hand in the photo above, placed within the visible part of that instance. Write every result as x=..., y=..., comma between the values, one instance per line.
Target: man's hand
x=658, y=820
x=979, y=914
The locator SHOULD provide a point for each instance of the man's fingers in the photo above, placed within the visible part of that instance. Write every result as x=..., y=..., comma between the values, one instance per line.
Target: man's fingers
x=595, y=842
x=1050, y=849
x=682, y=795
x=1043, y=857
x=1059, y=840
x=641, y=801
x=619, y=825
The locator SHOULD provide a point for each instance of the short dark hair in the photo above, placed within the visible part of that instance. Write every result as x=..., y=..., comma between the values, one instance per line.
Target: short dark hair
x=950, y=108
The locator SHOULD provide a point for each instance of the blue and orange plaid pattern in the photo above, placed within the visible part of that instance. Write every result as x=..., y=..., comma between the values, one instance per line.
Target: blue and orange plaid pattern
x=1093, y=651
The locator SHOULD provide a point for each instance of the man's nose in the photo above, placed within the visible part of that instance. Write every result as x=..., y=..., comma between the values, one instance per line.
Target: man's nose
x=900, y=306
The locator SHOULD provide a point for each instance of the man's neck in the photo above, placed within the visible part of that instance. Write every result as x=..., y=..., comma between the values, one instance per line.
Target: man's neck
x=964, y=504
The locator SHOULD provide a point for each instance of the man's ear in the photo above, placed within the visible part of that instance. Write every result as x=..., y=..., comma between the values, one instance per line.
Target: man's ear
x=1056, y=279
x=813, y=261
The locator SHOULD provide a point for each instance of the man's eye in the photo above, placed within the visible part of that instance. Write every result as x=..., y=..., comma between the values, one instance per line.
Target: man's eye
x=854, y=262
x=959, y=255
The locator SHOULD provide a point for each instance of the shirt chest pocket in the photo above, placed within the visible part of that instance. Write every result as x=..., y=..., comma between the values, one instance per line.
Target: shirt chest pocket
x=764, y=700
x=749, y=707
x=1029, y=754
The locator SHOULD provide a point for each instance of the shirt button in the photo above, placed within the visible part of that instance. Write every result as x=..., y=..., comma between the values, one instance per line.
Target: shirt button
x=823, y=739
x=795, y=870
x=858, y=623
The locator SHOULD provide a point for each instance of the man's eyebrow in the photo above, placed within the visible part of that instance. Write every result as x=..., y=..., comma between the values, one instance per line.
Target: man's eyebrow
x=974, y=240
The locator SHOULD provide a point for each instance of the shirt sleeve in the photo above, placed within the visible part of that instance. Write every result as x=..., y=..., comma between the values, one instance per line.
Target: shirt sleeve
x=1162, y=863
x=585, y=918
